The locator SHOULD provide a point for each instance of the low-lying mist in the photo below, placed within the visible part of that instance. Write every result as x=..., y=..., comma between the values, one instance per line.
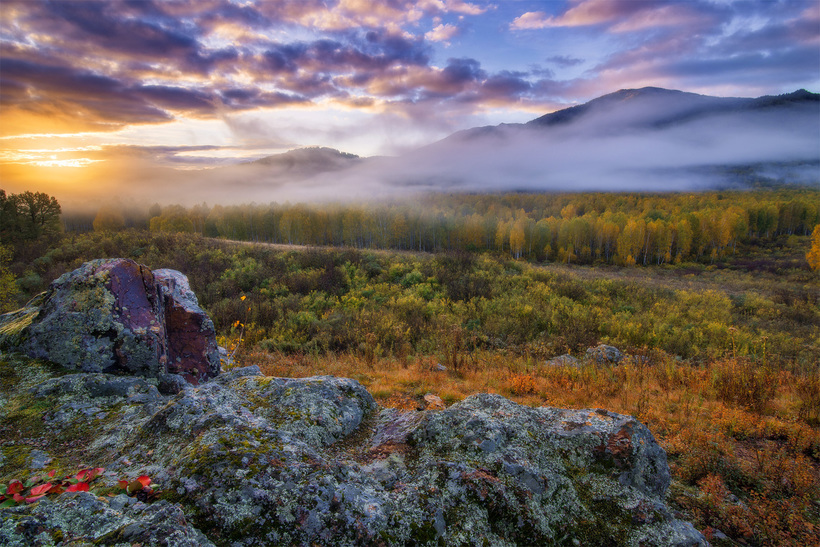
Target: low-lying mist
x=660, y=150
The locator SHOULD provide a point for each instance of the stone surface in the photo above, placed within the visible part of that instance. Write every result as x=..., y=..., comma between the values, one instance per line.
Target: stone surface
x=605, y=355
x=247, y=459
x=82, y=516
x=117, y=316
x=565, y=360
x=192, y=349
x=433, y=402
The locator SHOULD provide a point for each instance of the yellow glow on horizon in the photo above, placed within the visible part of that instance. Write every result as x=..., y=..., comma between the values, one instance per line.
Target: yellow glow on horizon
x=52, y=162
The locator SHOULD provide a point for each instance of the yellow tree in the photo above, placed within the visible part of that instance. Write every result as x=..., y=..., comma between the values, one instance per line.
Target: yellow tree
x=517, y=237
x=813, y=256
x=108, y=219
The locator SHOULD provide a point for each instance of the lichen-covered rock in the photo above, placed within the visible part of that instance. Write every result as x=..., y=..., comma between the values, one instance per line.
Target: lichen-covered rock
x=117, y=316
x=247, y=460
x=84, y=519
x=604, y=355
x=565, y=360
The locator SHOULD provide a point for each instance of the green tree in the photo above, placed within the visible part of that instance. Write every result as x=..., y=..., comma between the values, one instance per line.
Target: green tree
x=39, y=214
x=8, y=287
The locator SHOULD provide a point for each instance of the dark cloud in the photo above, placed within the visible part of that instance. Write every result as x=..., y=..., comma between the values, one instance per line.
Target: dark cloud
x=564, y=60
x=507, y=84
x=105, y=98
x=176, y=98
x=461, y=71
x=284, y=57
x=152, y=33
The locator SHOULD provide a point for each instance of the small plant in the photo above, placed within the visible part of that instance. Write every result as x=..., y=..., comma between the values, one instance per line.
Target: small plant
x=17, y=492
x=42, y=485
x=740, y=381
x=522, y=384
x=139, y=488
x=808, y=394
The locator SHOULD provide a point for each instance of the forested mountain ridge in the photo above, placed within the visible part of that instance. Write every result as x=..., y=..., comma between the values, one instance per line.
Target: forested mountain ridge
x=650, y=108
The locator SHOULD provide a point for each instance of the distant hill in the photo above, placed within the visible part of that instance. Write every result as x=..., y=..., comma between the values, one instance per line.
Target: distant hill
x=307, y=162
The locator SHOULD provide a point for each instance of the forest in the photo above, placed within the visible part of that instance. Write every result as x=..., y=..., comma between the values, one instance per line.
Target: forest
x=600, y=228
x=714, y=297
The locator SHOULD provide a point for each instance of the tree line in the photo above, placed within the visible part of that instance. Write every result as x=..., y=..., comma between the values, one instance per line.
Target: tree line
x=608, y=228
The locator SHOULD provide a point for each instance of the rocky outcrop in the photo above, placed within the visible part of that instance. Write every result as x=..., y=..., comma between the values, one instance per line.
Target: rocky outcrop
x=117, y=316
x=246, y=459
x=565, y=360
x=604, y=355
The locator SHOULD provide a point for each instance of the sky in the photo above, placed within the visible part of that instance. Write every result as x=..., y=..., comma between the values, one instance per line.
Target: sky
x=90, y=89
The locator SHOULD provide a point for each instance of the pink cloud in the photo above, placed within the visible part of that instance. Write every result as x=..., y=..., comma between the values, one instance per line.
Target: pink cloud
x=532, y=20
x=442, y=33
x=622, y=15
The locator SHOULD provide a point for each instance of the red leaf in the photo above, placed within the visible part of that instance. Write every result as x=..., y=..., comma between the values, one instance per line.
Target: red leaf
x=145, y=480
x=134, y=486
x=15, y=487
x=86, y=475
x=56, y=489
x=79, y=487
x=41, y=490
x=51, y=473
x=32, y=499
x=18, y=498
x=122, y=484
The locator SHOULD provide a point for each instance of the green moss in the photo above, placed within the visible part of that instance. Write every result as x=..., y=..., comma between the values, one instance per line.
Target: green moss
x=423, y=533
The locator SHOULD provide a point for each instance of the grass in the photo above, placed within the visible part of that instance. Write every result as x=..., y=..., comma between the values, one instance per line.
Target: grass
x=726, y=374
x=744, y=454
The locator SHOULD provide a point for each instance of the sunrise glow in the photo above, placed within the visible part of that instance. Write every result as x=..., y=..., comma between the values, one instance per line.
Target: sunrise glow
x=194, y=85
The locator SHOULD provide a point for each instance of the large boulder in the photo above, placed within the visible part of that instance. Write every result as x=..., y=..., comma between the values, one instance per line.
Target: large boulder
x=247, y=459
x=117, y=316
x=604, y=355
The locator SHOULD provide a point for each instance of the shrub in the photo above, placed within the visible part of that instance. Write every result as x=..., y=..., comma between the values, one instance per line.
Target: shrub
x=742, y=382
x=522, y=384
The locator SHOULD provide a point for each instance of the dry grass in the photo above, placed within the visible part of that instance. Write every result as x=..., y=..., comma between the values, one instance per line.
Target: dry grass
x=726, y=440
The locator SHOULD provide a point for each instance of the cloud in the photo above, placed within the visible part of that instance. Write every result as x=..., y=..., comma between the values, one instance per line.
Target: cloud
x=442, y=33
x=531, y=20
x=619, y=15
x=94, y=65
x=564, y=60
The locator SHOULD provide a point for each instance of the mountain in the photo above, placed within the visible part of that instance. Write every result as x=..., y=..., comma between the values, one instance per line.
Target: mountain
x=649, y=139
x=647, y=108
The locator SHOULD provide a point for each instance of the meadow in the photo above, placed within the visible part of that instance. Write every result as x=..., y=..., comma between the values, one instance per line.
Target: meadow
x=722, y=348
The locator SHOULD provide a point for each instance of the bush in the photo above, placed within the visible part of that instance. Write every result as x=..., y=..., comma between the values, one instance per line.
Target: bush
x=742, y=382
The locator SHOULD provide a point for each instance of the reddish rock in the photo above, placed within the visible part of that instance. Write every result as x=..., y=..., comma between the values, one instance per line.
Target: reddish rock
x=192, y=349
x=118, y=316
